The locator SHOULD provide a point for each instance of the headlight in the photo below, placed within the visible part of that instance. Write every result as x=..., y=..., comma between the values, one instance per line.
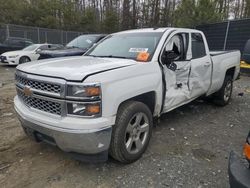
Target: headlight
x=84, y=91
x=13, y=56
x=84, y=109
x=86, y=100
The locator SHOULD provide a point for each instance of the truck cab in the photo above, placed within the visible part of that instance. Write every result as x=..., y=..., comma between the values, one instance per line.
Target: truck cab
x=104, y=102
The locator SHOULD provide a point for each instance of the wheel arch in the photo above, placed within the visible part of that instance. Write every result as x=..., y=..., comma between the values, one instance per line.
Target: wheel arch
x=24, y=56
x=230, y=72
x=148, y=98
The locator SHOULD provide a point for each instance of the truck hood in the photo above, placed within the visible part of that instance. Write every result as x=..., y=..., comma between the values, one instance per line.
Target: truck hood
x=63, y=52
x=73, y=68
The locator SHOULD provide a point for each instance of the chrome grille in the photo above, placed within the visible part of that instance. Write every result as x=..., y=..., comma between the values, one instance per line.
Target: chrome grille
x=40, y=104
x=38, y=85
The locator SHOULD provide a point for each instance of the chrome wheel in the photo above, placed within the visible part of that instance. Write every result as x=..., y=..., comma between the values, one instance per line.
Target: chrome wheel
x=136, y=133
x=228, y=91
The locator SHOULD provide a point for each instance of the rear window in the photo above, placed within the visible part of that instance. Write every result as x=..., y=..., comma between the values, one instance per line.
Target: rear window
x=198, y=47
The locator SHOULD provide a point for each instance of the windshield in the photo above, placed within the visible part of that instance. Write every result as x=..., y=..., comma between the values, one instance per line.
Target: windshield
x=127, y=45
x=83, y=41
x=31, y=47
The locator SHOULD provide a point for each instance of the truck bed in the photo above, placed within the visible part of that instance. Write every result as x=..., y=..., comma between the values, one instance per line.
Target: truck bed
x=222, y=61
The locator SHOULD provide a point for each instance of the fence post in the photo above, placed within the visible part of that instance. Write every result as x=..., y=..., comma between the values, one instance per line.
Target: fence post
x=66, y=37
x=61, y=37
x=38, y=35
x=225, y=40
x=7, y=31
x=46, y=37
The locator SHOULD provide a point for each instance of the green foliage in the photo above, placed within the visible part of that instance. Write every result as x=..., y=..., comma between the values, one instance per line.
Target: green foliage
x=114, y=15
x=191, y=13
x=111, y=22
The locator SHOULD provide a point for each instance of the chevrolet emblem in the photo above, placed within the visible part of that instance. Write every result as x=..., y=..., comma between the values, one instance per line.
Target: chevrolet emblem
x=27, y=91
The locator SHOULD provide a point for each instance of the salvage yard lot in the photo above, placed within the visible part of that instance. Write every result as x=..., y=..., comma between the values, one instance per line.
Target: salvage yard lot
x=189, y=148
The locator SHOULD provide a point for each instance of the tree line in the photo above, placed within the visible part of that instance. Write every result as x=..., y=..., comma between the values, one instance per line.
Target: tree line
x=114, y=15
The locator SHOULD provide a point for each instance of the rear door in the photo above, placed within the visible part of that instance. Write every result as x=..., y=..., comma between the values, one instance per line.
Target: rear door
x=201, y=66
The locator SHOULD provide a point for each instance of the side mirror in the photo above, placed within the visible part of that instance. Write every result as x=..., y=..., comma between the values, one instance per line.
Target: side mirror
x=38, y=50
x=171, y=55
x=168, y=57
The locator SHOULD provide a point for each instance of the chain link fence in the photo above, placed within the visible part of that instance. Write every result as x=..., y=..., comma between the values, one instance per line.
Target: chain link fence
x=37, y=34
x=229, y=35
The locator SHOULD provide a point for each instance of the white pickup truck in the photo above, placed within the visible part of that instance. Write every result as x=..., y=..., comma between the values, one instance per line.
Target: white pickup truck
x=104, y=102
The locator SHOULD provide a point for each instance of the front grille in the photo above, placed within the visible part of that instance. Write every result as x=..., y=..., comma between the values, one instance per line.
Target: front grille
x=3, y=59
x=40, y=104
x=42, y=86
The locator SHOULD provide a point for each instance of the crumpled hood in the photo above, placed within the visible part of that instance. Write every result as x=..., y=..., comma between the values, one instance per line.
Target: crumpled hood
x=63, y=52
x=73, y=68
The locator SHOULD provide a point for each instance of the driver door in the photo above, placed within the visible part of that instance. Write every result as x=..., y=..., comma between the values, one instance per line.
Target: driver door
x=177, y=70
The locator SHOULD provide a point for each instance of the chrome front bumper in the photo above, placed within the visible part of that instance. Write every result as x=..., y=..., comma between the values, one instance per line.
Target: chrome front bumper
x=83, y=141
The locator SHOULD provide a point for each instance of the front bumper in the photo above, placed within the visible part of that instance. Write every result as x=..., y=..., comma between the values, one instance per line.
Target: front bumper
x=239, y=174
x=65, y=132
x=9, y=61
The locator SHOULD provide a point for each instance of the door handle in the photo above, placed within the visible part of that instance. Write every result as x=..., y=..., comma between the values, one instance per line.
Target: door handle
x=207, y=64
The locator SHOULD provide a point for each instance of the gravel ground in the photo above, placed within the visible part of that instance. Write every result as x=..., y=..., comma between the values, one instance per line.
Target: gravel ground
x=189, y=148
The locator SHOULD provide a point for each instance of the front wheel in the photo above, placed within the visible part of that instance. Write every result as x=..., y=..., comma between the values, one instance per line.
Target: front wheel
x=132, y=132
x=24, y=59
x=223, y=96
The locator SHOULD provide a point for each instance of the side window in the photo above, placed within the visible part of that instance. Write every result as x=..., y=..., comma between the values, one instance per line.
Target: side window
x=44, y=47
x=27, y=43
x=15, y=42
x=198, y=47
x=177, y=45
x=55, y=46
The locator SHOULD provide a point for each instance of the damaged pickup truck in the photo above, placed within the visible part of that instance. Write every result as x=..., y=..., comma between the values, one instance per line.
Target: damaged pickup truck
x=104, y=102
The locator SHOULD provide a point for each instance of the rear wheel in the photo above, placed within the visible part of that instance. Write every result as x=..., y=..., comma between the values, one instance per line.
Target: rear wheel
x=24, y=59
x=223, y=96
x=132, y=132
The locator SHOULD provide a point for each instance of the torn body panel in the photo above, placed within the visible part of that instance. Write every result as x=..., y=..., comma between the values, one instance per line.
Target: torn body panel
x=177, y=89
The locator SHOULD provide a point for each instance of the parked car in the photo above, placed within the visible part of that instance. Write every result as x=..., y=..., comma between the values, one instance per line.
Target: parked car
x=239, y=172
x=27, y=54
x=14, y=43
x=76, y=47
x=104, y=102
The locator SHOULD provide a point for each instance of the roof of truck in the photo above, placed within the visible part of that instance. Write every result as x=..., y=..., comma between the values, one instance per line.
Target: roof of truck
x=158, y=29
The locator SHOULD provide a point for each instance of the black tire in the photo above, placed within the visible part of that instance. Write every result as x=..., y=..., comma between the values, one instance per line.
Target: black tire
x=24, y=59
x=125, y=122
x=223, y=96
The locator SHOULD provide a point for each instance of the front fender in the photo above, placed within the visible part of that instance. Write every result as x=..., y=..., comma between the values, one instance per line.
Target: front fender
x=125, y=83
